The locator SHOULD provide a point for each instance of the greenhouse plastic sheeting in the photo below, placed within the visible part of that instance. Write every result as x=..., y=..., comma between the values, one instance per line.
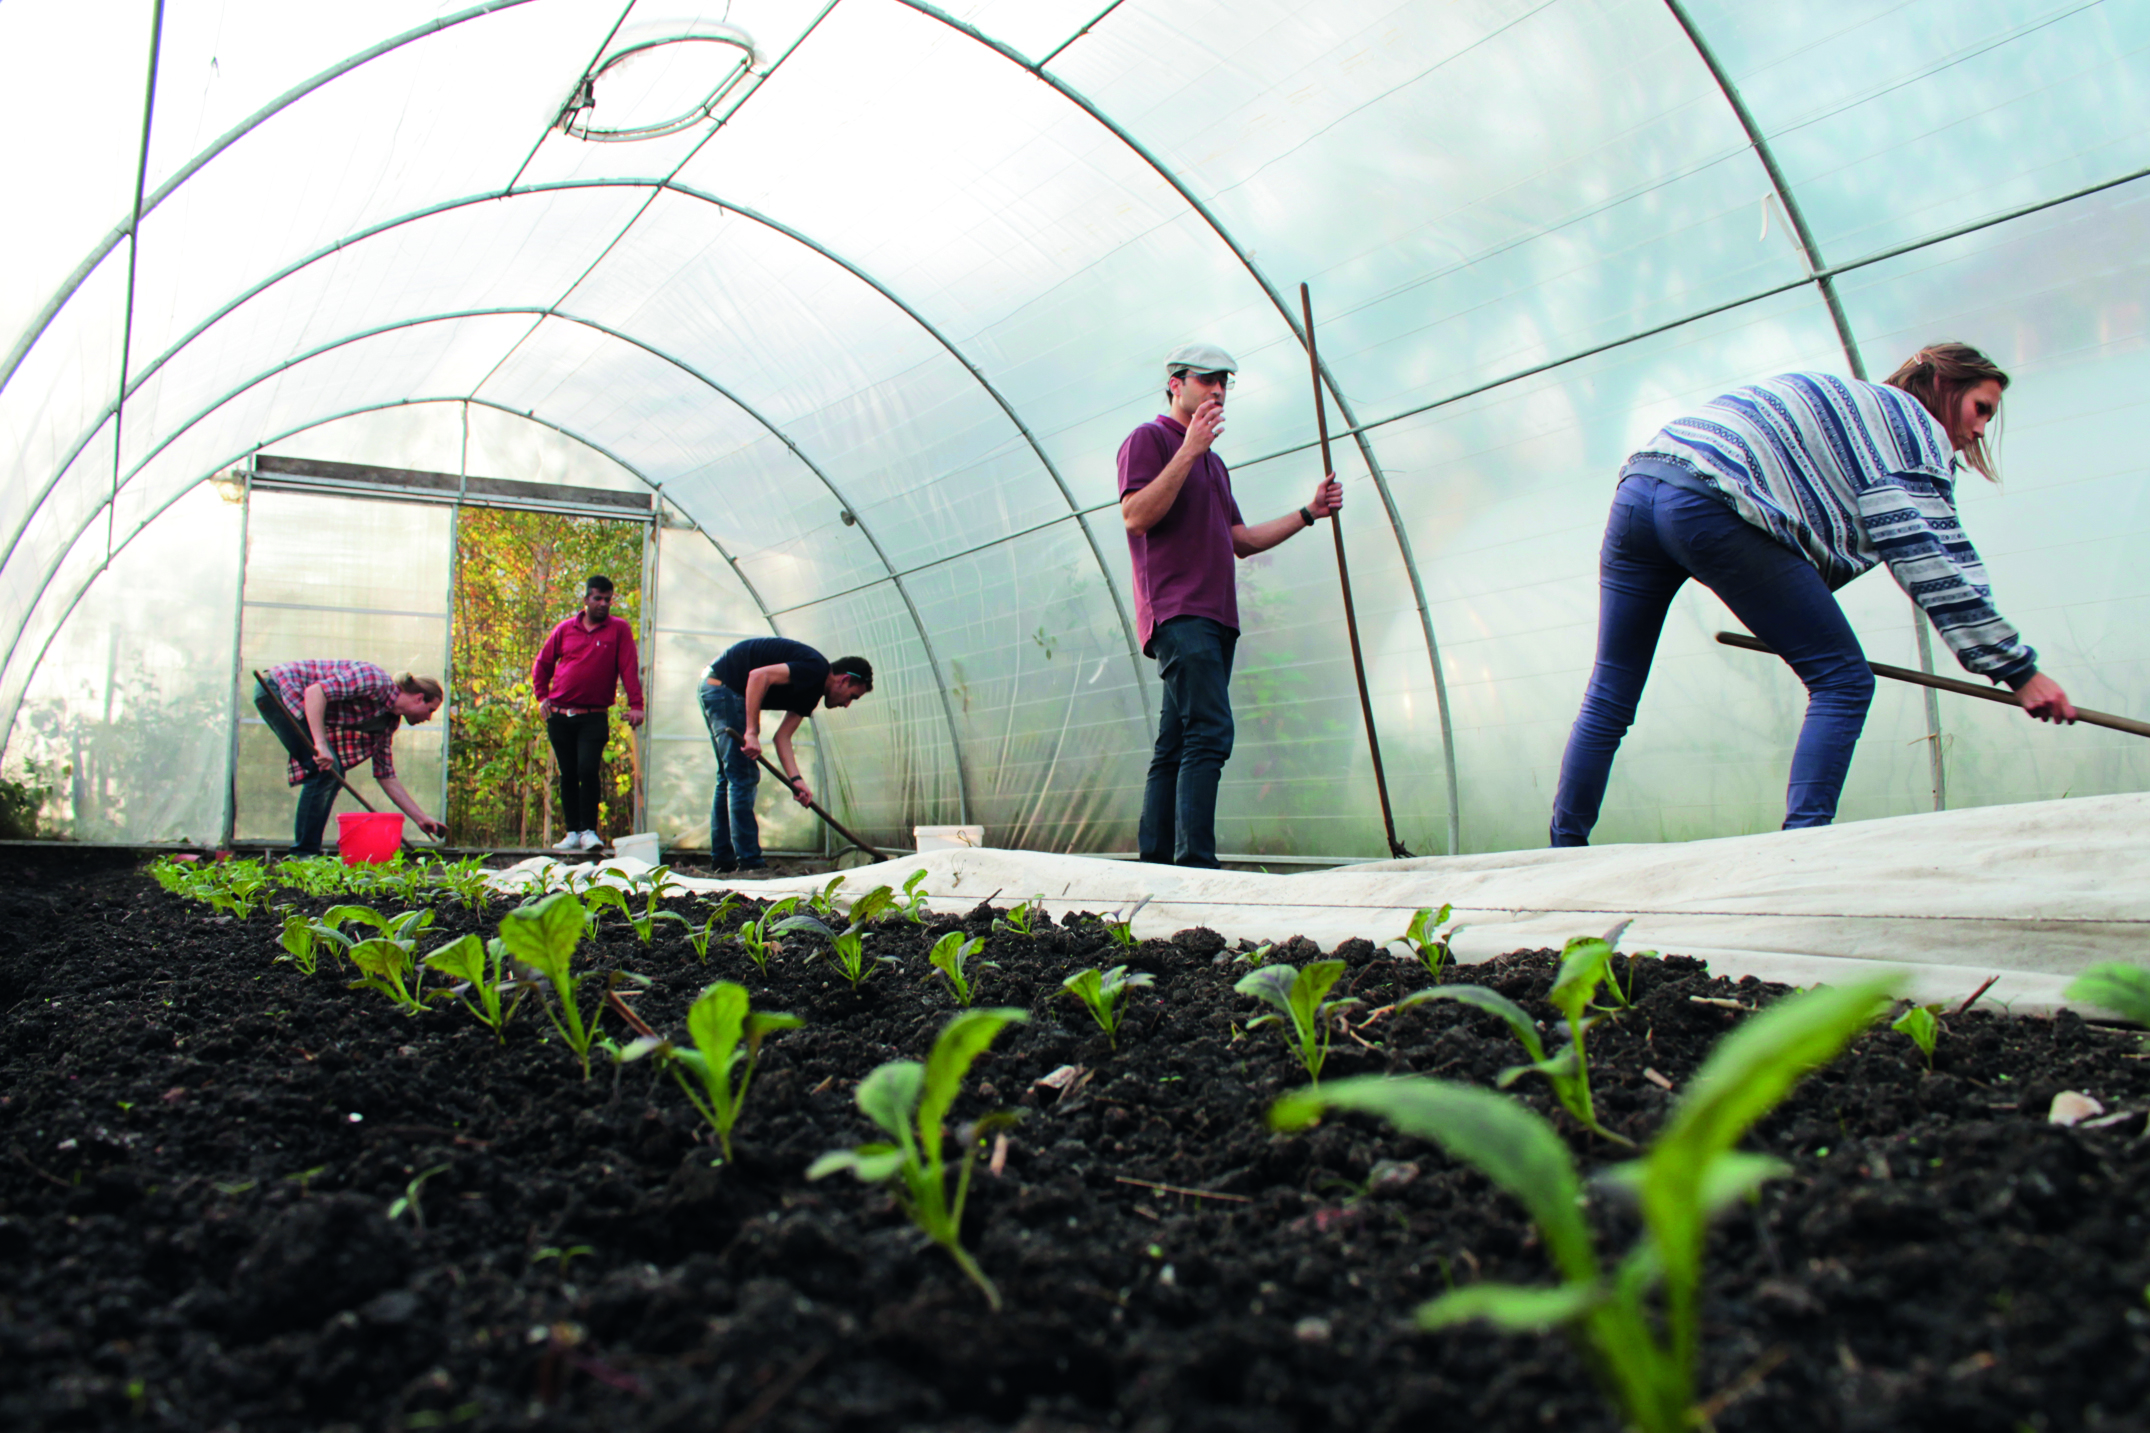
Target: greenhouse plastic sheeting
x=875, y=317
x=2030, y=893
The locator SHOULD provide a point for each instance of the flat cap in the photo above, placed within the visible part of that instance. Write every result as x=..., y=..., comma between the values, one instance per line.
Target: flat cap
x=1200, y=358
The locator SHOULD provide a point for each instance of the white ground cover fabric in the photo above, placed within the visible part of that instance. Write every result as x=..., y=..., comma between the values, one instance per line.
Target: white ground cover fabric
x=2032, y=893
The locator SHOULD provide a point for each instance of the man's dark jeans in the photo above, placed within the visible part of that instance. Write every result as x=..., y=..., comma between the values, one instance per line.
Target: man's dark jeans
x=317, y=793
x=734, y=834
x=1658, y=536
x=578, y=743
x=1194, y=740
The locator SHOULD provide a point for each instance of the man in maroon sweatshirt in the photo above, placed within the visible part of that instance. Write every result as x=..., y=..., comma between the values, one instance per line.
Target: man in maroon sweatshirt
x=574, y=675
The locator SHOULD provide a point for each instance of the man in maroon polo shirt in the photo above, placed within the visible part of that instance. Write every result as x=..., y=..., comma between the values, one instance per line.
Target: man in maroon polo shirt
x=1184, y=533
x=574, y=676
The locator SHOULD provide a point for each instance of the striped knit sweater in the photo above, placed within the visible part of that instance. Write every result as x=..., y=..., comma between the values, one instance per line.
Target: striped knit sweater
x=1849, y=475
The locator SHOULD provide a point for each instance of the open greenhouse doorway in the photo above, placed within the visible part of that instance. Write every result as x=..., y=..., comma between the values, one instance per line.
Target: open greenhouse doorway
x=443, y=574
x=518, y=574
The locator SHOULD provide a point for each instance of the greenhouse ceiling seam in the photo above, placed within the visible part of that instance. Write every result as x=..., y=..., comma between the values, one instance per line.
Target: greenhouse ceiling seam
x=615, y=182
x=1880, y=256
x=10, y=708
x=1091, y=24
x=43, y=320
x=574, y=90
x=918, y=622
x=134, y=255
x=1291, y=323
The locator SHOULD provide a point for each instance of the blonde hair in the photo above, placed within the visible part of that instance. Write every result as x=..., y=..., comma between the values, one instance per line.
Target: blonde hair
x=429, y=686
x=1938, y=375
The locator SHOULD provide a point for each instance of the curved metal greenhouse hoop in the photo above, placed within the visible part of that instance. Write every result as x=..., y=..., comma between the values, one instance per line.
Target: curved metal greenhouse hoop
x=450, y=205
x=7, y=715
x=28, y=338
x=895, y=578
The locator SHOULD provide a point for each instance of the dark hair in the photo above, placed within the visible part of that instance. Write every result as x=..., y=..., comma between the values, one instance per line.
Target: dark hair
x=427, y=687
x=598, y=583
x=1938, y=375
x=1181, y=372
x=857, y=668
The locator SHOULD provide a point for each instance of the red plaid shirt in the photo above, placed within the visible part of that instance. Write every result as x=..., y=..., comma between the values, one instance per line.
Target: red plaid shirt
x=356, y=691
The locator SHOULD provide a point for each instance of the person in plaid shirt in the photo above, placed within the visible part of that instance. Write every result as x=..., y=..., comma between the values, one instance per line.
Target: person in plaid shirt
x=350, y=710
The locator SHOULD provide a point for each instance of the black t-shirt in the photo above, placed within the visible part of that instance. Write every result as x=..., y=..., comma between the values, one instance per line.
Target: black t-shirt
x=809, y=672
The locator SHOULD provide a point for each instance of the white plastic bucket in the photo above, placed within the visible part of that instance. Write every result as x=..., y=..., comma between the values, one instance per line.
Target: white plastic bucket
x=642, y=846
x=947, y=838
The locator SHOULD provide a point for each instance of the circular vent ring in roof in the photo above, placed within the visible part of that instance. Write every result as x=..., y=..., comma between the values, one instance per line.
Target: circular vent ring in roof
x=661, y=84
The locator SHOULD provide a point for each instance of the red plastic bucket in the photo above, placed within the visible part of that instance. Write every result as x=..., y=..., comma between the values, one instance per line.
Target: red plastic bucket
x=367, y=838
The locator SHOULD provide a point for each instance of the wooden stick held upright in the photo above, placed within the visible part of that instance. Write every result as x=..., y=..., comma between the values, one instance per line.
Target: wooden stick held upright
x=1343, y=574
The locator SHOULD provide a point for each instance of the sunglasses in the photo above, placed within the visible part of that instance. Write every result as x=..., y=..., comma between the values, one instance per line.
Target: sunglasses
x=1211, y=380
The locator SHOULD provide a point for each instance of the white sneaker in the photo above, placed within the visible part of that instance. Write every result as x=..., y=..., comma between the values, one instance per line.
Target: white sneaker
x=572, y=841
x=591, y=841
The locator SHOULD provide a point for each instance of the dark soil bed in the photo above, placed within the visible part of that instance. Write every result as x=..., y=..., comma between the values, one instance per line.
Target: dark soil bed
x=199, y=1150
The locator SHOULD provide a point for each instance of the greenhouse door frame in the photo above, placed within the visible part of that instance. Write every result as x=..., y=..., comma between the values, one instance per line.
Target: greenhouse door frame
x=366, y=483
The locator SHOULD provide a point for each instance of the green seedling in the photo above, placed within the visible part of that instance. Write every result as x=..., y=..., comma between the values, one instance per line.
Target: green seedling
x=700, y=937
x=544, y=937
x=1637, y=1324
x=910, y=1102
x=754, y=935
x=643, y=921
x=408, y=1202
x=301, y=945
x=847, y=948
x=384, y=965
x=1103, y=993
x=1564, y=1071
x=1302, y=1015
x=2121, y=988
x=245, y=883
x=174, y=876
x=1427, y=941
x=311, y=875
x=823, y=901
x=950, y=957
x=554, y=1251
x=1023, y=919
x=1120, y=929
x=726, y=1036
x=914, y=899
x=464, y=959
x=1922, y=1025
x=466, y=880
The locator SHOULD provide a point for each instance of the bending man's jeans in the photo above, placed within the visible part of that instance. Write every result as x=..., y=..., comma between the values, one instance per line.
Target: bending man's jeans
x=1194, y=739
x=578, y=744
x=734, y=835
x=1657, y=537
x=317, y=793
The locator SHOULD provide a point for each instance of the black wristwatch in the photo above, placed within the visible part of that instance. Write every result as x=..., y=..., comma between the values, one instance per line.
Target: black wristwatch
x=1308, y=516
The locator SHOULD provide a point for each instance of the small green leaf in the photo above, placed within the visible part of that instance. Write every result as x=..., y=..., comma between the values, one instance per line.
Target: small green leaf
x=960, y=1043
x=1493, y=1003
x=889, y=1094
x=1510, y=1306
x=2121, y=988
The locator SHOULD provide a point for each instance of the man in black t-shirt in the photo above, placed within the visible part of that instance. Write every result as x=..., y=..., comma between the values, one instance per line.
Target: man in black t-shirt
x=757, y=675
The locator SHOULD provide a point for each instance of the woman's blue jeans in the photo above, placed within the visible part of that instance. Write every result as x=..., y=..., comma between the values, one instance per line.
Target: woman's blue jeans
x=734, y=834
x=1658, y=536
x=1194, y=740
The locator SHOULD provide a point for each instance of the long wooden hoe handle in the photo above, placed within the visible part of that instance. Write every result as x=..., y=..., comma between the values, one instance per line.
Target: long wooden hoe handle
x=814, y=806
x=1951, y=684
x=1343, y=573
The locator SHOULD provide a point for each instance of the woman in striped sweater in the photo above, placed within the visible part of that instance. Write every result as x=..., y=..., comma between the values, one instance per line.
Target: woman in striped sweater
x=1773, y=496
